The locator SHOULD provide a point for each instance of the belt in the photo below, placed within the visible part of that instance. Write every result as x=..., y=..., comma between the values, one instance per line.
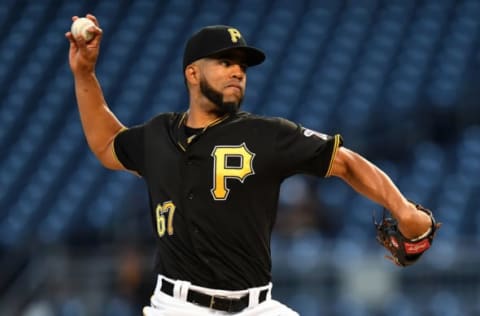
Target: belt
x=220, y=303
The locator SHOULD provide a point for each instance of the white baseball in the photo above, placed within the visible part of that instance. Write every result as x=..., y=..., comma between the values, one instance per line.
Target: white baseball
x=80, y=28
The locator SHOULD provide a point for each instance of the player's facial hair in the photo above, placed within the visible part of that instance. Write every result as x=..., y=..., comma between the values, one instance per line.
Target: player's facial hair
x=216, y=97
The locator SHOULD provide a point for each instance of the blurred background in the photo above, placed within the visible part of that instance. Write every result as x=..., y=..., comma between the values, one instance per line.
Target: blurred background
x=398, y=79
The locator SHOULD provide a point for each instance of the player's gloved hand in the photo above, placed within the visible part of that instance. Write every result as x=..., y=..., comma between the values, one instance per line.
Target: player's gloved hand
x=404, y=251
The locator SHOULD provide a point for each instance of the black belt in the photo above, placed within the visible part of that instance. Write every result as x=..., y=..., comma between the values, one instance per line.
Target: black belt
x=220, y=303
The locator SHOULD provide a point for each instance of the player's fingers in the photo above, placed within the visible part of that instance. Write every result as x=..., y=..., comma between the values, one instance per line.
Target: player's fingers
x=95, y=30
x=93, y=18
x=97, y=36
x=72, y=41
x=69, y=36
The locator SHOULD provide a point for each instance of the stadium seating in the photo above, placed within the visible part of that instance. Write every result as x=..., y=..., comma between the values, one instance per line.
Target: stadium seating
x=350, y=68
x=378, y=72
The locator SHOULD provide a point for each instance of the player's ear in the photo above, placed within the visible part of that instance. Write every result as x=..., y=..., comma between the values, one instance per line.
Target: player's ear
x=192, y=74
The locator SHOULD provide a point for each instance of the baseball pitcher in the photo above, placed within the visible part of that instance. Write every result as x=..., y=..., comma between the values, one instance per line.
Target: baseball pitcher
x=213, y=175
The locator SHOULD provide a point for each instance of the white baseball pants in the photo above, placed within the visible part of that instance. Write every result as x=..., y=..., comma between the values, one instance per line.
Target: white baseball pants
x=163, y=304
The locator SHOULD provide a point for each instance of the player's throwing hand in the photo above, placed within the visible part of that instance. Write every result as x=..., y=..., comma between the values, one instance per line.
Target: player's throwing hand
x=83, y=55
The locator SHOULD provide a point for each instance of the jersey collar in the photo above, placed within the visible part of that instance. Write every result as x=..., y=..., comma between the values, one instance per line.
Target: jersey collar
x=184, y=140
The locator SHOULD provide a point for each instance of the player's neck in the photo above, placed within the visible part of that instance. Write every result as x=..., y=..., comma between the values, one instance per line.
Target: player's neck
x=199, y=119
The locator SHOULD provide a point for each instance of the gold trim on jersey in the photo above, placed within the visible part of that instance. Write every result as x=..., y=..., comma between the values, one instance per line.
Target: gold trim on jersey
x=181, y=146
x=182, y=121
x=212, y=123
x=336, y=144
x=184, y=116
x=217, y=121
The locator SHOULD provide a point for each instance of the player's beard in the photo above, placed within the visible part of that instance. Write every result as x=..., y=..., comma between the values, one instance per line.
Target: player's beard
x=221, y=107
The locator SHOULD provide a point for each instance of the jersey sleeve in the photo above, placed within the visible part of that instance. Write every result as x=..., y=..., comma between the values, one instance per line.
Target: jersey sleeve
x=302, y=150
x=129, y=147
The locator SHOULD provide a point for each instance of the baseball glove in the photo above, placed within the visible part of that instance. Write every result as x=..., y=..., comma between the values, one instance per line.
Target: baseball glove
x=404, y=251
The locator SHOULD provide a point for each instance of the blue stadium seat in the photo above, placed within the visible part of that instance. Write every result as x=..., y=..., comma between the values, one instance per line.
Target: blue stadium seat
x=452, y=59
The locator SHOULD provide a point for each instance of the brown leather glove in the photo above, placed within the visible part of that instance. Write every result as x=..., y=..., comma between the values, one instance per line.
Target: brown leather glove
x=404, y=251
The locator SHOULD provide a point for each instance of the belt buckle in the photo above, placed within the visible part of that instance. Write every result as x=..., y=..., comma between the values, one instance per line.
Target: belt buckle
x=223, y=303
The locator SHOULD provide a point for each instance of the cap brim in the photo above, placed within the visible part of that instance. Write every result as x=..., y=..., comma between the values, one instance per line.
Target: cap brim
x=253, y=56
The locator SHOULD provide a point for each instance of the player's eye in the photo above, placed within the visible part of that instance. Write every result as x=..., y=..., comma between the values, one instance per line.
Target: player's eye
x=228, y=63
x=225, y=62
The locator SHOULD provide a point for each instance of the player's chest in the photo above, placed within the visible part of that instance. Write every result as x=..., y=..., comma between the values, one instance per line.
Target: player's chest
x=214, y=163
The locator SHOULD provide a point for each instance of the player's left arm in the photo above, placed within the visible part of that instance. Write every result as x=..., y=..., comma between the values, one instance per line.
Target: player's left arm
x=367, y=179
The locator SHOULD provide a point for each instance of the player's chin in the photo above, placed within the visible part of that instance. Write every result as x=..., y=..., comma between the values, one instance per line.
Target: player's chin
x=232, y=100
x=235, y=98
x=228, y=108
x=233, y=92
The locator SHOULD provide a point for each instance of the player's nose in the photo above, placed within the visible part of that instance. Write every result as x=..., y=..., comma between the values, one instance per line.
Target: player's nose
x=237, y=71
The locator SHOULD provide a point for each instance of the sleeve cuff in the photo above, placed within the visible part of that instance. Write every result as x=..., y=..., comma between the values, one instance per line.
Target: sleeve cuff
x=337, y=142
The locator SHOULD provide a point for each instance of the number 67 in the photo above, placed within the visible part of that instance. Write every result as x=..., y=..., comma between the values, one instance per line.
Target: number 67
x=164, y=214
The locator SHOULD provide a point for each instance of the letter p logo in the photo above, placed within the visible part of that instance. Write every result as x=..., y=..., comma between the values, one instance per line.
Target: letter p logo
x=223, y=171
x=234, y=34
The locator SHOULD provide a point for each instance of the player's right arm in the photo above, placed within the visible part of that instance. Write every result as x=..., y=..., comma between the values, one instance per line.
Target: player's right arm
x=100, y=125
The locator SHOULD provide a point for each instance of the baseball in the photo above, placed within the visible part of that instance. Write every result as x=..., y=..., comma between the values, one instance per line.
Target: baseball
x=80, y=28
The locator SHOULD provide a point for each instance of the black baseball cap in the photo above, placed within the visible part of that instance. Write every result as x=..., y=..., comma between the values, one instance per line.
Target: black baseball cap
x=215, y=39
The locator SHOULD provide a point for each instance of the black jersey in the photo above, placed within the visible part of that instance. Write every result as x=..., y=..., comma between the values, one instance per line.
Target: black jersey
x=214, y=194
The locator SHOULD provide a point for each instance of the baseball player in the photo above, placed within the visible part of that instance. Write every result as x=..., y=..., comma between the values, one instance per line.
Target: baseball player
x=213, y=175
